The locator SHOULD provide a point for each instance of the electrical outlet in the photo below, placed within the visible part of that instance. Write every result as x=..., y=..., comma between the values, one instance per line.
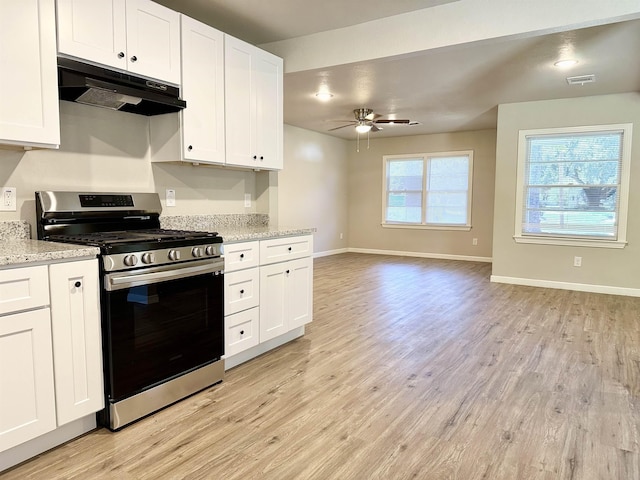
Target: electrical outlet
x=171, y=198
x=474, y=241
x=247, y=200
x=8, y=199
x=341, y=236
x=577, y=261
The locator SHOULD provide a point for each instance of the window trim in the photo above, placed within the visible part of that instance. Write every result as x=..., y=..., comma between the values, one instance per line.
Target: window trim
x=423, y=225
x=623, y=198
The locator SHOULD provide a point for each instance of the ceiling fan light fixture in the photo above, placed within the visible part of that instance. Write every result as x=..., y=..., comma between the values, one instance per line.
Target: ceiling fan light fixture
x=363, y=128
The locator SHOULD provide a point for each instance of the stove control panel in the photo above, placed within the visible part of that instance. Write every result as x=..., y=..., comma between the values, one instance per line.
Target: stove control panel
x=163, y=256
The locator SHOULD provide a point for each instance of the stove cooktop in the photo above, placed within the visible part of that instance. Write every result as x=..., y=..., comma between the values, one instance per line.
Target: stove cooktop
x=157, y=235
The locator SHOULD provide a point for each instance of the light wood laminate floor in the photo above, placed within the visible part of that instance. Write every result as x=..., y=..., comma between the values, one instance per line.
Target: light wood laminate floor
x=412, y=369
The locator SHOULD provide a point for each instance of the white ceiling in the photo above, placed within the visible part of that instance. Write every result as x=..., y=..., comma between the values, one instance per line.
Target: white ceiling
x=445, y=89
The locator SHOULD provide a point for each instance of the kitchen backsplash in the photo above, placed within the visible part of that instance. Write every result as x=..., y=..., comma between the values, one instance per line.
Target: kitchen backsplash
x=210, y=223
x=15, y=230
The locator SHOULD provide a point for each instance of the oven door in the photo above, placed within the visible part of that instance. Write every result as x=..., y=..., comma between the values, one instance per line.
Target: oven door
x=160, y=323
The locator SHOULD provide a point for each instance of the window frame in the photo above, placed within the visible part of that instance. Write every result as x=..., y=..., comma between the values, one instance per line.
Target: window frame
x=623, y=195
x=423, y=225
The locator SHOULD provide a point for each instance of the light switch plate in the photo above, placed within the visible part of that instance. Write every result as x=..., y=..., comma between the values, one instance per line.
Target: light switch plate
x=8, y=199
x=171, y=198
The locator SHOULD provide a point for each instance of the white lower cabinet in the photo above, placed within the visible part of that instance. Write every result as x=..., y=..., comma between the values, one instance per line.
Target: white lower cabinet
x=27, y=402
x=285, y=297
x=50, y=348
x=268, y=294
x=77, y=347
x=242, y=331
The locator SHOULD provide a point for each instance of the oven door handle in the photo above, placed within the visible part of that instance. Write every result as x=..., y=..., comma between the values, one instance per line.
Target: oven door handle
x=115, y=281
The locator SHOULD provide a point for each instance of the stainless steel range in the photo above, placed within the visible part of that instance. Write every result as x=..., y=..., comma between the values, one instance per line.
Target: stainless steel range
x=162, y=298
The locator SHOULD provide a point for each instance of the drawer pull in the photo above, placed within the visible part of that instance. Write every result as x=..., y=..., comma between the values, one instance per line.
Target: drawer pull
x=289, y=249
x=287, y=272
x=241, y=256
x=241, y=332
x=241, y=292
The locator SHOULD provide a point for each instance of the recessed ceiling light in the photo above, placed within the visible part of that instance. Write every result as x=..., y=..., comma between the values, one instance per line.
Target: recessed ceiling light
x=566, y=63
x=324, y=96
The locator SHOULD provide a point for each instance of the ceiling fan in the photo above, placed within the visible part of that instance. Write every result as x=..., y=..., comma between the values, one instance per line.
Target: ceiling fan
x=366, y=121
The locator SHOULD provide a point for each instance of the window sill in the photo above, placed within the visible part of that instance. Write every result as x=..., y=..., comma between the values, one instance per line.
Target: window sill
x=410, y=226
x=570, y=242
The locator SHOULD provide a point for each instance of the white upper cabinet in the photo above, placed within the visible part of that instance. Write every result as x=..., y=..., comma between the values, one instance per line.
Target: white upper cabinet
x=29, y=100
x=253, y=94
x=135, y=35
x=196, y=134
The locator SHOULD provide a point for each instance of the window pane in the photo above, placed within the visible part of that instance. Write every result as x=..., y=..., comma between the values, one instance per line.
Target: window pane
x=449, y=208
x=572, y=183
x=404, y=207
x=448, y=173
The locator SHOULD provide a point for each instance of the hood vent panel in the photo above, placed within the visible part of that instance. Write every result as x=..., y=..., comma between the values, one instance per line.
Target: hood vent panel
x=101, y=87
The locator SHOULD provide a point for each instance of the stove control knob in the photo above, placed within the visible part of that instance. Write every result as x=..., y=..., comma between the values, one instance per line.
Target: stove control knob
x=174, y=255
x=130, y=260
x=210, y=250
x=196, y=251
x=148, y=258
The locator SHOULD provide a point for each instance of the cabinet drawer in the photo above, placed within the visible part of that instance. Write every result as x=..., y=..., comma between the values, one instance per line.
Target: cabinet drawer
x=241, y=331
x=241, y=290
x=238, y=256
x=287, y=248
x=23, y=288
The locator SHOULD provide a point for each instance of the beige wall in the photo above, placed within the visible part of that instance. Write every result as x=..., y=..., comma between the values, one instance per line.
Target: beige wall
x=102, y=150
x=600, y=266
x=312, y=188
x=365, y=196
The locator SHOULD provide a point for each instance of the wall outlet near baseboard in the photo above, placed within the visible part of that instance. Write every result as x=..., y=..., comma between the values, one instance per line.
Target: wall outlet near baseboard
x=8, y=201
x=577, y=261
x=247, y=200
x=474, y=241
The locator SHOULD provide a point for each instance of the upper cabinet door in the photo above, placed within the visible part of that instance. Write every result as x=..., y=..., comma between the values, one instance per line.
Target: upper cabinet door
x=268, y=103
x=254, y=120
x=153, y=40
x=28, y=82
x=94, y=30
x=203, y=90
x=239, y=102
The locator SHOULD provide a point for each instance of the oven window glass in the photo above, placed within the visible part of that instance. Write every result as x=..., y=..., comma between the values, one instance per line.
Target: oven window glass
x=159, y=331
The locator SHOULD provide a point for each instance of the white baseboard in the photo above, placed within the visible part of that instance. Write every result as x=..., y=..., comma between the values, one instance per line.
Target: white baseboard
x=441, y=256
x=330, y=252
x=580, y=287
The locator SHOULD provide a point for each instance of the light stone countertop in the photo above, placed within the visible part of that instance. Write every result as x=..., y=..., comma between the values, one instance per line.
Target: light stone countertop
x=21, y=251
x=245, y=234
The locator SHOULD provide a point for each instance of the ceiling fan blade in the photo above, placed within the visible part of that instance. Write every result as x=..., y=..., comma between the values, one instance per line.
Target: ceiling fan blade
x=375, y=128
x=403, y=121
x=372, y=116
x=342, y=126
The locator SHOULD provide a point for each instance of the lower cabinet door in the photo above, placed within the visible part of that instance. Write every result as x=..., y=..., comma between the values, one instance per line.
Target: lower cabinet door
x=77, y=345
x=27, y=403
x=241, y=331
x=300, y=289
x=273, y=301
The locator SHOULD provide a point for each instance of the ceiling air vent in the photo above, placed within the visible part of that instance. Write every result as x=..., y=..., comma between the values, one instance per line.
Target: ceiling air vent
x=581, y=79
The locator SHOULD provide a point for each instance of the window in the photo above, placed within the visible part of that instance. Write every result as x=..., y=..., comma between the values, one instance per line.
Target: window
x=430, y=190
x=573, y=185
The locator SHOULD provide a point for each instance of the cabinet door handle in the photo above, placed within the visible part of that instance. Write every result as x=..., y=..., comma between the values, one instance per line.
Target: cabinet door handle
x=241, y=292
x=261, y=158
x=190, y=147
x=287, y=272
x=120, y=54
x=77, y=284
x=241, y=332
x=289, y=249
x=134, y=59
